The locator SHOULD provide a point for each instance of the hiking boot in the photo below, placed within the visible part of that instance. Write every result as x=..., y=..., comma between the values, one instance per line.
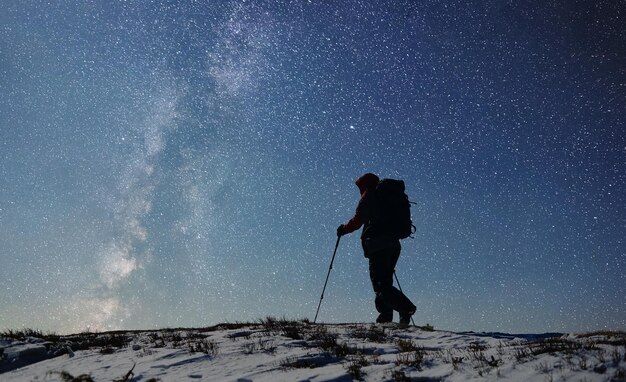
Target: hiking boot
x=384, y=318
x=405, y=317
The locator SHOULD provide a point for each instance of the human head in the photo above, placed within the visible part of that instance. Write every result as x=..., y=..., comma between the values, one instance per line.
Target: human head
x=366, y=181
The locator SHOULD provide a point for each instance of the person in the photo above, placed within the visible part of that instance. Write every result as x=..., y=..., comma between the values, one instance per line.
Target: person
x=382, y=250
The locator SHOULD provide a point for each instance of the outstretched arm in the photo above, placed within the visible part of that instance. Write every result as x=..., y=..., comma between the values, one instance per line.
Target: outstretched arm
x=360, y=217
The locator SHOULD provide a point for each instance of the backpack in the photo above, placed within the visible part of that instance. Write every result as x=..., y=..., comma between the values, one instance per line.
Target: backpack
x=392, y=209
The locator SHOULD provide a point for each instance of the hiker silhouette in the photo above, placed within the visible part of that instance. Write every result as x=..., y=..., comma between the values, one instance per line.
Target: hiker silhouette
x=381, y=249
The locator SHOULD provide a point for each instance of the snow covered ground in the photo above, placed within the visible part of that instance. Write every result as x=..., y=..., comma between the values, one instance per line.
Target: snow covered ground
x=283, y=350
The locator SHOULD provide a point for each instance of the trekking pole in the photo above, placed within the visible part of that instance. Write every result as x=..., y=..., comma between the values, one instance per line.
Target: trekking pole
x=326, y=282
x=399, y=287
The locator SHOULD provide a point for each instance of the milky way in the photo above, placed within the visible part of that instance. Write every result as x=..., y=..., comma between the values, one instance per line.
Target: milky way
x=184, y=164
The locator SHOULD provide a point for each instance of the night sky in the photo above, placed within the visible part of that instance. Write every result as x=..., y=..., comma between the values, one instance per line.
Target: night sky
x=168, y=164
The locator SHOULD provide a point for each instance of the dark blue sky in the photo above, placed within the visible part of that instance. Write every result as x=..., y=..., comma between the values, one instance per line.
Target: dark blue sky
x=187, y=163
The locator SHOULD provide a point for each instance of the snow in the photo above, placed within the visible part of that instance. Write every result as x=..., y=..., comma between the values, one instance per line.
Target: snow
x=281, y=350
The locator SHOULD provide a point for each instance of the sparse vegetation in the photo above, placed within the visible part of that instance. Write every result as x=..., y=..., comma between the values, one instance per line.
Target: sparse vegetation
x=331, y=345
x=322, y=338
x=372, y=333
x=543, y=367
x=93, y=340
x=558, y=345
x=245, y=334
x=413, y=358
x=452, y=358
x=67, y=377
x=522, y=352
x=355, y=370
x=203, y=345
x=400, y=376
x=298, y=363
x=261, y=344
x=22, y=334
x=107, y=350
x=406, y=345
x=288, y=328
x=616, y=355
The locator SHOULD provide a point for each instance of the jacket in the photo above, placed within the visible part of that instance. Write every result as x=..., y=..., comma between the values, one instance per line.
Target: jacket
x=373, y=237
x=362, y=217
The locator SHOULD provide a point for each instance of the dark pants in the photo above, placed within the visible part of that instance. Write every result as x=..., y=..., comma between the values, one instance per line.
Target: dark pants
x=382, y=265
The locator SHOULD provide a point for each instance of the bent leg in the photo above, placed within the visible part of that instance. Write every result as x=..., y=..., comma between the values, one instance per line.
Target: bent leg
x=388, y=297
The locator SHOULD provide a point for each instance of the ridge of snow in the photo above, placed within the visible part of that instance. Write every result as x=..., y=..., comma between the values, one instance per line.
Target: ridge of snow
x=300, y=351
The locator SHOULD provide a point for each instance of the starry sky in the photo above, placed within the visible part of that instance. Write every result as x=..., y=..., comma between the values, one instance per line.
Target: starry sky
x=186, y=163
